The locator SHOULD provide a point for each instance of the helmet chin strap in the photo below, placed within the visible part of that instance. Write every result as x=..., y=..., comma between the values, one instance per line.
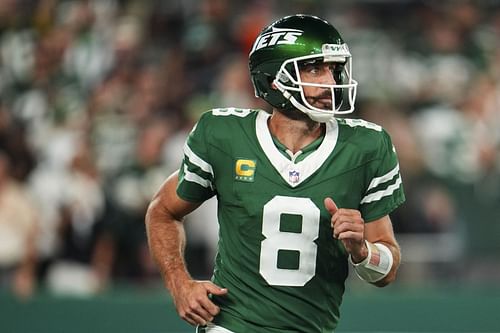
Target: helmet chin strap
x=321, y=117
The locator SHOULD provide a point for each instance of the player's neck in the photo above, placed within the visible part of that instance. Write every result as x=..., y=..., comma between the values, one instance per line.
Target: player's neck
x=294, y=134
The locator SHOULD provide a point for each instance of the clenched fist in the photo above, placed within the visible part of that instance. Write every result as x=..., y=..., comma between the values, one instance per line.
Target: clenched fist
x=348, y=226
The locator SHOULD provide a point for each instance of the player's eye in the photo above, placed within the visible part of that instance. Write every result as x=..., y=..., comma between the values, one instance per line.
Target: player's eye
x=312, y=69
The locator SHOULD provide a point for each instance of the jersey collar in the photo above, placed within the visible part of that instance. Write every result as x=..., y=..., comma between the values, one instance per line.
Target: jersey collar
x=301, y=154
x=295, y=173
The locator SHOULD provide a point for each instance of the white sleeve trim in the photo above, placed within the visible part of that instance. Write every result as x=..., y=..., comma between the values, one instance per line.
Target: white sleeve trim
x=196, y=160
x=382, y=179
x=380, y=194
x=194, y=178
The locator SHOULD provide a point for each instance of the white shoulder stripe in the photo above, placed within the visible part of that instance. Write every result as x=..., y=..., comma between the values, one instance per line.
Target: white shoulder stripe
x=382, y=179
x=196, y=160
x=194, y=178
x=383, y=193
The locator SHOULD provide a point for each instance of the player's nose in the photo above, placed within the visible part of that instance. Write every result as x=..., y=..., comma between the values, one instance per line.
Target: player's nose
x=327, y=76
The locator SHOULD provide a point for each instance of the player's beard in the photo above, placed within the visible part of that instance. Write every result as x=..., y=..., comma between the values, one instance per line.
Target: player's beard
x=321, y=101
x=296, y=114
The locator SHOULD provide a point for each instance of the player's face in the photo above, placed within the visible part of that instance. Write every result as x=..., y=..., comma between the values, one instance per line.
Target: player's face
x=318, y=72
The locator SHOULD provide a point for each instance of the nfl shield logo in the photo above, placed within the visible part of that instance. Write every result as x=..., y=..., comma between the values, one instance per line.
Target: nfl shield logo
x=293, y=176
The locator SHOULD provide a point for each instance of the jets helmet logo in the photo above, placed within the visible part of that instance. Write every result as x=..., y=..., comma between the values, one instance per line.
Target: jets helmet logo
x=277, y=36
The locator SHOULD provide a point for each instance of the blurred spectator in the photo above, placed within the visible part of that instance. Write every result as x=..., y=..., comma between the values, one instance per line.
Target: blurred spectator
x=89, y=54
x=81, y=210
x=13, y=141
x=123, y=245
x=464, y=154
x=18, y=226
x=112, y=128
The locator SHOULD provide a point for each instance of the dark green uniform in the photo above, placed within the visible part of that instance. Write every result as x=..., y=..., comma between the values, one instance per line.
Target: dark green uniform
x=277, y=257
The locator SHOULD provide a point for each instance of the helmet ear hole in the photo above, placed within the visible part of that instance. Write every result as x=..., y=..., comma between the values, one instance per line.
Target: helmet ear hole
x=265, y=88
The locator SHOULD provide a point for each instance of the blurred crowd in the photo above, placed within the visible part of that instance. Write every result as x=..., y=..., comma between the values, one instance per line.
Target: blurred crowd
x=97, y=97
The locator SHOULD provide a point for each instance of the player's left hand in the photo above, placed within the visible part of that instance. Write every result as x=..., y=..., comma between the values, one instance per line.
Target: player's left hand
x=348, y=226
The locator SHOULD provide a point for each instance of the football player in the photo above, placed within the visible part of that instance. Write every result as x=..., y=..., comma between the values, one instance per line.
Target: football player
x=301, y=193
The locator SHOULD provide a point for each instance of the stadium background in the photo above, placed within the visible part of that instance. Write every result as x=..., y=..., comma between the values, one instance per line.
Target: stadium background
x=96, y=98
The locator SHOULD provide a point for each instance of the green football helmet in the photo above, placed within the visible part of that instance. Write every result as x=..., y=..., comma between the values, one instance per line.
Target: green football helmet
x=279, y=52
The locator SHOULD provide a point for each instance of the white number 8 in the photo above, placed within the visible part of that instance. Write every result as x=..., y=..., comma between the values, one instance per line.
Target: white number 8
x=276, y=240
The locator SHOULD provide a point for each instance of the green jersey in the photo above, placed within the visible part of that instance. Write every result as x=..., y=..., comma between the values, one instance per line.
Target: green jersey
x=276, y=254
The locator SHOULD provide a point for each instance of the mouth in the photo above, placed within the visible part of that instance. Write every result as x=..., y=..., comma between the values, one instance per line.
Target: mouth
x=323, y=100
x=322, y=97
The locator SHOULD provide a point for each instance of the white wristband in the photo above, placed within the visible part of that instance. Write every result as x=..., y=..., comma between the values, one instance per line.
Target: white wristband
x=376, y=265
